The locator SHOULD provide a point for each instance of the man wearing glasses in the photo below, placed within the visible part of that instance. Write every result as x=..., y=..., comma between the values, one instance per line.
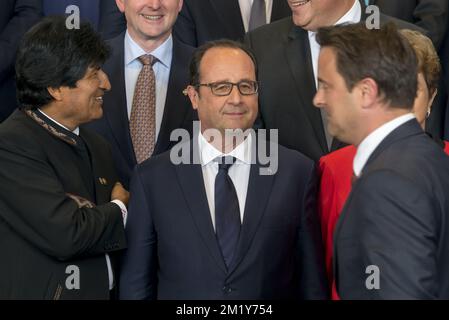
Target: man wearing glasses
x=217, y=228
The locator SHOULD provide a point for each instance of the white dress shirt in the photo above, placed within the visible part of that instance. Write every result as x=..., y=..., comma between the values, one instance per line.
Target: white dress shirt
x=372, y=141
x=245, y=10
x=117, y=202
x=161, y=68
x=354, y=15
x=238, y=172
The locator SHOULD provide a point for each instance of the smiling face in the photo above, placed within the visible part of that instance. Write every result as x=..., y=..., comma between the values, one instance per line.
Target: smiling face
x=150, y=20
x=313, y=14
x=234, y=111
x=82, y=103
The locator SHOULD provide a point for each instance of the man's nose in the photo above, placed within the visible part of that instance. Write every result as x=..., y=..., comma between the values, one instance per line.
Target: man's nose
x=104, y=80
x=235, y=96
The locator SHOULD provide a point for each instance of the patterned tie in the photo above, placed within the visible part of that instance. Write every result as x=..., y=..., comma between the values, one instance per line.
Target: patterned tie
x=227, y=212
x=258, y=15
x=142, y=122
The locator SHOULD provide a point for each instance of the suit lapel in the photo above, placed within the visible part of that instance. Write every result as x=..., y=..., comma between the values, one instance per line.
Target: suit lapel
x=231, y=18
x=115, y=110
x=175, y=110
x=300, y=61
x=259, y=190
x=280, y=10
x=190, y=179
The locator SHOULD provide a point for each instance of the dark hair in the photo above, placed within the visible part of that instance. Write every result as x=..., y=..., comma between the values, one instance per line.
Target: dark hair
x=383, y=55
x=199, y=53
x=51, y=55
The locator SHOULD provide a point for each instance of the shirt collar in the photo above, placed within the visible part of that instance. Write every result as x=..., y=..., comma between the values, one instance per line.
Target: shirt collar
x=372, y=141
x=76, y=131
x=208, y=152
x=163, y=53
x=354, y=15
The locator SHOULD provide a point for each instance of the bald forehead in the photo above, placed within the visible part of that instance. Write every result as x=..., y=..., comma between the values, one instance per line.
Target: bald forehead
x=222, y=59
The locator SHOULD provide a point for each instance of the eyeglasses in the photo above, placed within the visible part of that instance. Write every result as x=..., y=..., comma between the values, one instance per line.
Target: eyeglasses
x=224, y=88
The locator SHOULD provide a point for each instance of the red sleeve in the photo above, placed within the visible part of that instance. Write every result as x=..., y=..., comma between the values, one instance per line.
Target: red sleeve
x=335, y=185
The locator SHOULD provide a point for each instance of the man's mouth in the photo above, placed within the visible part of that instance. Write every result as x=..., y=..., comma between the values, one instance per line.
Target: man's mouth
x=152, y=17
x=299, y=3
x=99, y=99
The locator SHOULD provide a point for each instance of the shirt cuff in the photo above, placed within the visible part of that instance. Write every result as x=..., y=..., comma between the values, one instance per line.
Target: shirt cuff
x=123, y=208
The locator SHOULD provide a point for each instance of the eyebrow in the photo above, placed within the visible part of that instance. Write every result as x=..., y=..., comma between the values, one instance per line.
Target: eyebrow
x=228, y=80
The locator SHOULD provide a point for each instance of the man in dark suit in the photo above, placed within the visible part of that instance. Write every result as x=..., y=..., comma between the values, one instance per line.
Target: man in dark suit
x=287, y=54
x=202, y=20
x=391, y=240
x=222, y=227
x=170, y=69
x=59, y=229
x=430, y=15
x=16, y=17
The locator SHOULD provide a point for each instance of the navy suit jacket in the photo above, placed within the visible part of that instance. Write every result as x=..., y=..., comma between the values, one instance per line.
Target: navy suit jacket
x=198, y=22
x=397, y=219
x=430, y=15
x=174, y=254
x=114, y=125
x=204, y=20
x=16, y=17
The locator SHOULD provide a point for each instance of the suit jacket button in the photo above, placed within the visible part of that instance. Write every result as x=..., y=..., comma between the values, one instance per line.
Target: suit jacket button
x=227, y=289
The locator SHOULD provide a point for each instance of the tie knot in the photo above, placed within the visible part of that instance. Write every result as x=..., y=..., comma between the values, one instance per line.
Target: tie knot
x=147, y=59
x=224, y=163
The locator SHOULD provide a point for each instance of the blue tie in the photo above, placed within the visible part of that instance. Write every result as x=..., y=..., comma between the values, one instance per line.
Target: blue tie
x=227, y=212
x=367, y=2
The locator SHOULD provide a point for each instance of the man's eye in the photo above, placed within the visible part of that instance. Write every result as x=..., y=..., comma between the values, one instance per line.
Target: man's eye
x=245, y=86
x=221, y=87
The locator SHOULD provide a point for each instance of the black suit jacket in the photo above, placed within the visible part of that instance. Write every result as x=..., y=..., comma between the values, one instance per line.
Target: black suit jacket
x=198, y=22
x=287, y=85
x=430, y=15
x=111, y=22
x=55, y=211
x=16, y=17
x=114, y=126
x=174, y=254
x=397, y=218
x=204, y=20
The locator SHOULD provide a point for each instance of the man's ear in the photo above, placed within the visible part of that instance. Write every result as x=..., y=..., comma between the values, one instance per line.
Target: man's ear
x=193, y=96
x=120, y=5
x=56, y=93
x=369, y=92
x=434, y=94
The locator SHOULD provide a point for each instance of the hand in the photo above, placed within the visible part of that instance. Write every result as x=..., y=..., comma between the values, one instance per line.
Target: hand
x=120, y=193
